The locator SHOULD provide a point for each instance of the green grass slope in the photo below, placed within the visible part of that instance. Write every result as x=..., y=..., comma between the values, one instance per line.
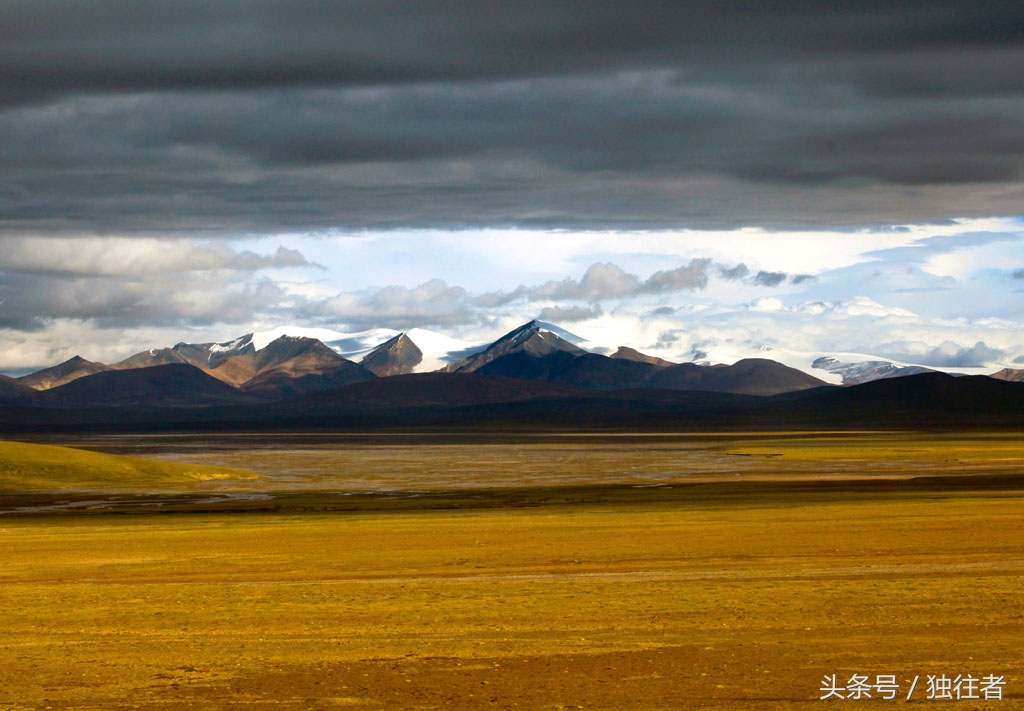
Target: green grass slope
x=42, y=466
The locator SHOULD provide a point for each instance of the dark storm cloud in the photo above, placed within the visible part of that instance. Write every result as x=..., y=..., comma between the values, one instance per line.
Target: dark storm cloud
x=52, y=46
x=219, y=117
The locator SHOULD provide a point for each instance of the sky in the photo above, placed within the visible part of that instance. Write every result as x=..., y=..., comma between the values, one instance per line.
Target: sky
x=698, y=179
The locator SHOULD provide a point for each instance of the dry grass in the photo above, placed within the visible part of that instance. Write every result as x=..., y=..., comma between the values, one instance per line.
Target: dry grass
x=739, y=602
x=1005, y=449
x=41, y=466
x=444, y=462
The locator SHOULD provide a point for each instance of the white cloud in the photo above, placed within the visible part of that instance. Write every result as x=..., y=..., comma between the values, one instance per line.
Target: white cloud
x=600, y=281
x=1004, y=254
x=501, y=259
x=813, y=308
x=864, y=306
x=135, y=256
x=767, y=304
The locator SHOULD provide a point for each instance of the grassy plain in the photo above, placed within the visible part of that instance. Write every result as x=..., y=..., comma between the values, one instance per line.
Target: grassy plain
x=730, y=592
x=27, y=466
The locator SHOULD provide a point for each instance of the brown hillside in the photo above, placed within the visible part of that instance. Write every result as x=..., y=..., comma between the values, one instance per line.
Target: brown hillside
x=1012, y=375
x=627, y=353
x=65, y=372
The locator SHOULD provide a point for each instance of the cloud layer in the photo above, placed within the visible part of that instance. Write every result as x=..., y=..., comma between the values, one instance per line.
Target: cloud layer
x=213, y=118
x=140, y=283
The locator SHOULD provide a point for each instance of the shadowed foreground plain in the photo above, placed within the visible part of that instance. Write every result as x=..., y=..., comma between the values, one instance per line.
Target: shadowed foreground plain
x=676, y=598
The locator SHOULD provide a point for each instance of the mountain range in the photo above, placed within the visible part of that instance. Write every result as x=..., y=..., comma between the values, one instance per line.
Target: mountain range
x=535, y=373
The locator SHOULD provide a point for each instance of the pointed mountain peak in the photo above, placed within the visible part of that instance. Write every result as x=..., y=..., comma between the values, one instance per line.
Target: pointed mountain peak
x=520, y=333
x=396, y=356
x=535, y=339
x=401, y=342
x=538, y=328
x=553, y=337
x=77, y=361
x=71, y=369
x=286, y=348
x=295, y=365
x=401, y=338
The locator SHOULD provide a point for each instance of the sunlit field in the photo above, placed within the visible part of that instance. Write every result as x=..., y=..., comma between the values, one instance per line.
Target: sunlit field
x=27, y=467
x=655, y=577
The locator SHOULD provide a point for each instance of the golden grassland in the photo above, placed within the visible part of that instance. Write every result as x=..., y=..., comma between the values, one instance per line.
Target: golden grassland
x=730, y=594
x=25, y=466
x=953, y=449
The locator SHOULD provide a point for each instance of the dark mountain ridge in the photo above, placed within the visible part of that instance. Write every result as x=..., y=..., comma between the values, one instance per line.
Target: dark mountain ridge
x=13, y=392
x=532, y=376
x=534, y=352
x=159, y=386
x=750, y=376
x=286, y=367
x=475, y=401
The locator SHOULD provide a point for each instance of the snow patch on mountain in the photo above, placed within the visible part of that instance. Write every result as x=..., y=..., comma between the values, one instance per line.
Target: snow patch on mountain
x=867, y=370
x=355, y=346
x=439, y=350
x=727, y=354
x=230, y=347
